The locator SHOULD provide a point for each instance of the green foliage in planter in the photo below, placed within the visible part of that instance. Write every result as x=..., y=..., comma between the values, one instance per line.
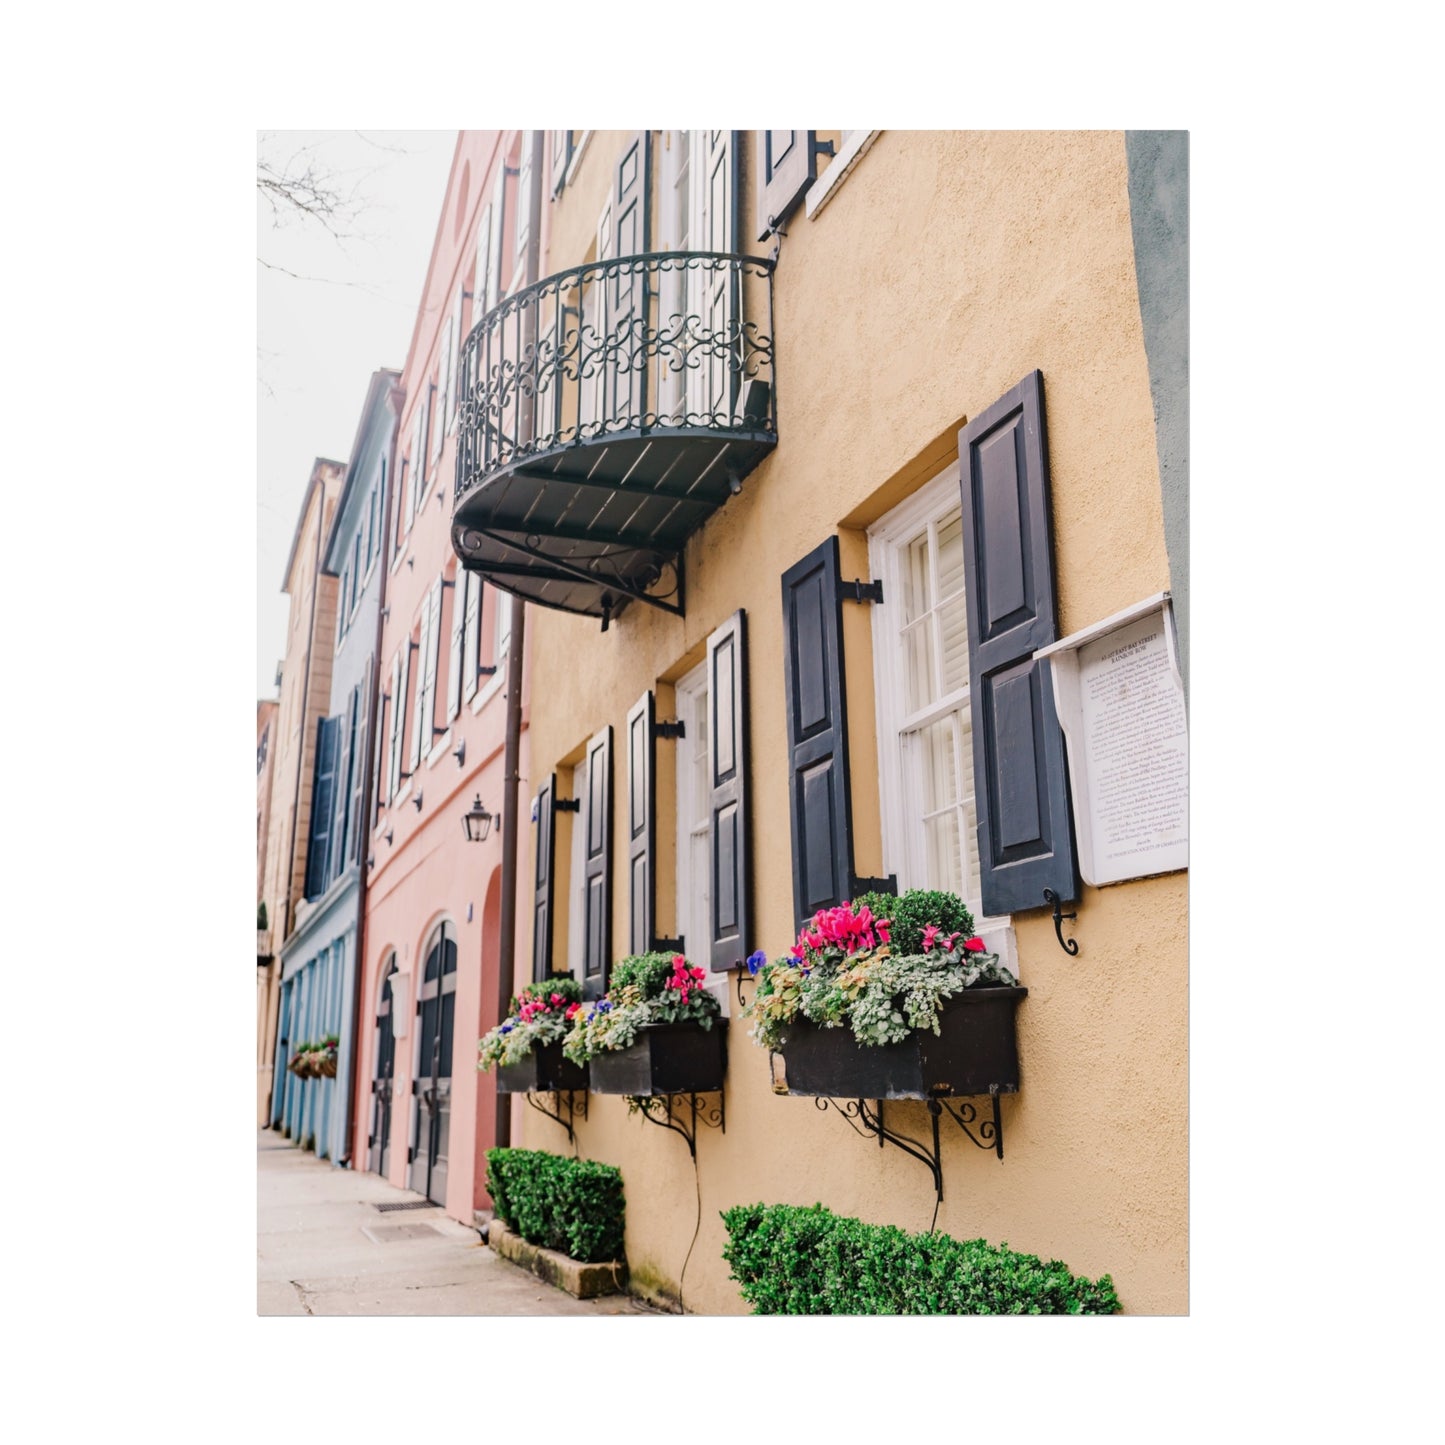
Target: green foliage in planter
x=261, y=914
x=911, y=912
x=574, y=1206
x=644, y=988
x=796, y=1261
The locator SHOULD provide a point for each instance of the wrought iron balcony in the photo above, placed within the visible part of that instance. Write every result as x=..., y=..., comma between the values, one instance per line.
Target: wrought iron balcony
x=607, y=412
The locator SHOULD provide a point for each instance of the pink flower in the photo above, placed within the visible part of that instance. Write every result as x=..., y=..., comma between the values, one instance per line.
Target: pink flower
x=974, y=945
x=930, y=932
x=573, y=1010
x=884, y=925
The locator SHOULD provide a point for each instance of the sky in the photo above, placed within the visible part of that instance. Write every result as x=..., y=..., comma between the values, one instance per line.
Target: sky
x=330, y=310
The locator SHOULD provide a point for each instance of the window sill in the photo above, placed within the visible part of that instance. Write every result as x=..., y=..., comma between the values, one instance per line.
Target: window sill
x=440, y=748
x=853, y=150
x=495, y=683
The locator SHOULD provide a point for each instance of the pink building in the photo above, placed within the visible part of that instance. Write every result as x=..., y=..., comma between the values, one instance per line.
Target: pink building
x=425, y=1116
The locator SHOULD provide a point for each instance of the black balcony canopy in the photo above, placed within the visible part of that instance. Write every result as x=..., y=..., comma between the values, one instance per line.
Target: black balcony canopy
x=607, y=412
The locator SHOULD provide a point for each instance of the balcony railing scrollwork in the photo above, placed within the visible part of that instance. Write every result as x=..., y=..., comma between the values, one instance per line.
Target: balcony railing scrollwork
x=606, y=412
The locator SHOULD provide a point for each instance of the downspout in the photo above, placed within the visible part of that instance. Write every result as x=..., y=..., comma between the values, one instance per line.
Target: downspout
x=511, y=760
x=300, y=768
x=366, y=821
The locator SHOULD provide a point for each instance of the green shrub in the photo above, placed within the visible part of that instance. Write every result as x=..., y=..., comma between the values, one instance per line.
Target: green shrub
x=648, y=971
x=910, y=913
x=796, y=1261
x=570, y=1205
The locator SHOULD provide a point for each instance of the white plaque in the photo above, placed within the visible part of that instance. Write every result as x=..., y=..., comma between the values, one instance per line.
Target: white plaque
x=1120, y=701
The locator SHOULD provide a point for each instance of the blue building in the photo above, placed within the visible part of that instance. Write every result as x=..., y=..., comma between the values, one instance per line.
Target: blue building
x=319, y=959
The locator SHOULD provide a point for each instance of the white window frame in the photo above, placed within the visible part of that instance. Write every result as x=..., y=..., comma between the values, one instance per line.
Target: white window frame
x=853, y=146
x=888, y=539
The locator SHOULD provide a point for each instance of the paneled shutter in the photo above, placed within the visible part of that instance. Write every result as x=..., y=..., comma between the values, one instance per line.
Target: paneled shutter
x=729, y=917
x=818, y=781
x=787, y=166
x=498, y=236
x=322, y=794
x=481, y=276
x=597, y=866
x=522, y=220
x=641, y=823
x=416, y=464
x=542, y=880
x=561, y=155
x=1025, y=831
x=713, y=294
x=454, y=650
x=631, y=206
x=398, y=715
x=472, y=635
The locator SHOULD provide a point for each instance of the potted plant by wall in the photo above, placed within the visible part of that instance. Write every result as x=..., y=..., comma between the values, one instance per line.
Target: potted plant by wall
x=656, y=1031
x=526, y=1047
x=302, y=1062
x=899, y=1004
x=326, y=1052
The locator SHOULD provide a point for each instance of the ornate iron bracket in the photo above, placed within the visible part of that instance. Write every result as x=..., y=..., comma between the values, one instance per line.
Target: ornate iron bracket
x=856, y=1112
x=658, y=1109
x=865, y=1121
x=990, y=1134
x=1070, y=945
x=555, y=1113
x=860, y=591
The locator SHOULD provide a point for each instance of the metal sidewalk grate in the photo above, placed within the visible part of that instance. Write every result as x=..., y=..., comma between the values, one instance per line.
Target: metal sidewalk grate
x=405, y=1204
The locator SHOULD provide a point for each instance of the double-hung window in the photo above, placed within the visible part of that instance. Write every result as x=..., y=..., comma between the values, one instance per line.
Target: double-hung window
x=925, y=733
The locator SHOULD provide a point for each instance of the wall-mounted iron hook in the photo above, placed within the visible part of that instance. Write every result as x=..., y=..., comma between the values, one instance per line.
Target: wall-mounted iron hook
x=1069, y=945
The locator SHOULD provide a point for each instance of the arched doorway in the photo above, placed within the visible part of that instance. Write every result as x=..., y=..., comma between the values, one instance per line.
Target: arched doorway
x=379, y=1160
x=436, y=1001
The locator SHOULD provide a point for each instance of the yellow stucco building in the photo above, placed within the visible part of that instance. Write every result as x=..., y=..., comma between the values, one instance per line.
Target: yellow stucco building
x=955, y=367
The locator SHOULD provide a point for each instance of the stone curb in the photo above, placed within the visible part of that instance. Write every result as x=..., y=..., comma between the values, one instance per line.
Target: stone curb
x=584, y=1281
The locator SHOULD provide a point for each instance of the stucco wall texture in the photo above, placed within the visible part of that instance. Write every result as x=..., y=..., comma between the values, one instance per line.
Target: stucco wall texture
x=944, y=269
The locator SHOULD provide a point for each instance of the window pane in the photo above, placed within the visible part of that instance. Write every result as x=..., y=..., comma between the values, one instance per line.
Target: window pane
x=920, y=680
x=916, y=595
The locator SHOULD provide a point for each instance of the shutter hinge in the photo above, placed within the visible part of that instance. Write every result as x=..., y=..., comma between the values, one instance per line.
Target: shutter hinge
x=487, y=671
x=566, y=805
x=876, y=885
x=410, y=1154
x=860, y=591
x=670, y=729
x=670, y=945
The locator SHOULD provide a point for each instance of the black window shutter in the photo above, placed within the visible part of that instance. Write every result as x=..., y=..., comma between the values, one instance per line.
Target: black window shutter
x=727, y=690
x=341, y=791
x=818, y=784
x=597, y=866
x=327, y=730
x=642, y=823
x=787, y=166
x=358, y=767
x=542, y=881
x=1025, y=831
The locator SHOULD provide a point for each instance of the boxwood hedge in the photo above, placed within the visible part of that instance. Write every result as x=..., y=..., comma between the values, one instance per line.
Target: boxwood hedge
x=571, y=1205
x=809, y=1261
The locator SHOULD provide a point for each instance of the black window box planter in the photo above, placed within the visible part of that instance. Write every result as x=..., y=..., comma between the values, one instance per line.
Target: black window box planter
x=975, y=1052
x=544, y=1071
x=665, y=1059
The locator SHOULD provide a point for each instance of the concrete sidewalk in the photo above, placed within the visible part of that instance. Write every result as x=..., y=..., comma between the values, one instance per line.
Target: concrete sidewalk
x=323, y=1248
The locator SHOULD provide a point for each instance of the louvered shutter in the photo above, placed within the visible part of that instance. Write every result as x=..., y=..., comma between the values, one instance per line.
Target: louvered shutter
x=427, y=663
x=713, y=294
x=817, y=714
x=543, y=879
x=414, y=461
x=472, y=635
x=460, y=589
x=729, y=918
x=522, y=219
x=787, y=166
x=597, y=866
x=411, y=753
x=1025, y=831
x=341, y=804
x=641, y=823
x=322, y=794
x=561, y=155
x=393, y=742
x=363, y=752
x=498, y=236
